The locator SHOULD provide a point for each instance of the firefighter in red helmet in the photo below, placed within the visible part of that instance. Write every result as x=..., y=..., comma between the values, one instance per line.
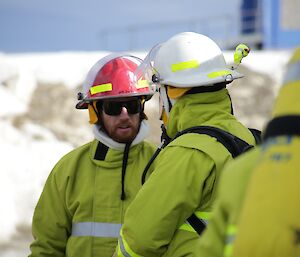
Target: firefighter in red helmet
x=81, y=208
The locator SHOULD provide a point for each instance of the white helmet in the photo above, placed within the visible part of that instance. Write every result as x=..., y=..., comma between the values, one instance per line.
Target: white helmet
x=189, y=59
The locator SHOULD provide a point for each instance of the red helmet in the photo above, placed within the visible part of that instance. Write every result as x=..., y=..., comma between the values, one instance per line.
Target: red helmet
x=113, y=77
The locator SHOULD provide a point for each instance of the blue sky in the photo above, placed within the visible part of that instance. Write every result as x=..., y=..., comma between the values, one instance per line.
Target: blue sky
x=91, y=25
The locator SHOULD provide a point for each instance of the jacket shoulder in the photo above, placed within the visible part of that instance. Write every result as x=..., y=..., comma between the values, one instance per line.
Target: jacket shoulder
x=149, y=145
x=201, y=142
x=237, y=169
x=77, y=151
x=73, y=155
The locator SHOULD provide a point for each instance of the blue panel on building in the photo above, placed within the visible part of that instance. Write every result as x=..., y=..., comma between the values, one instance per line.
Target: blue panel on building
x=281, y=24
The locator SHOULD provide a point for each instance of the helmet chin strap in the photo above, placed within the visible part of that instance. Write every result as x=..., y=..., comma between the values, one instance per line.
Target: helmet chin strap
x=167, y=102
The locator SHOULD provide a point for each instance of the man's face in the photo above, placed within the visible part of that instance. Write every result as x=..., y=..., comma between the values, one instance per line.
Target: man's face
x=121, y=118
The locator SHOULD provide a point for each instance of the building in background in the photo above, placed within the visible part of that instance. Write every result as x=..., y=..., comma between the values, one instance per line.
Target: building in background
x=270, y=24
x=251, y=31
x=262, y=24
x=281, y=23
x=92, y=25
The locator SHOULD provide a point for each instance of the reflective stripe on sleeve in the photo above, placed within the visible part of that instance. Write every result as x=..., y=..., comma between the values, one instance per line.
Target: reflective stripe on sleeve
x=124, y=250
x=230, y=237
x=187, y=227
x=121, y=249
x=203, y=216
x=96, y=229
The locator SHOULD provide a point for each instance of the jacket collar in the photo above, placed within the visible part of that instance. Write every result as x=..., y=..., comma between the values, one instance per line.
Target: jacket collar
x=106, y=140
x=211, y=108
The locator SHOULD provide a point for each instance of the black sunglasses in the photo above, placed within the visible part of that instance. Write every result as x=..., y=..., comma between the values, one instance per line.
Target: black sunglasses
x=114, y=108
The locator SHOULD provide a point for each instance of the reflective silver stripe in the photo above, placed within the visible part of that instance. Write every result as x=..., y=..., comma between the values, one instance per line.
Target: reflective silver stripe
x=230, y=239
x=292, y=73
x=96, y=229
x=122, y=248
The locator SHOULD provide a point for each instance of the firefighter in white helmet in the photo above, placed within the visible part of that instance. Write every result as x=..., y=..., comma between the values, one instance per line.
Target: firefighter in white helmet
x=84, y=200
x=191, y=74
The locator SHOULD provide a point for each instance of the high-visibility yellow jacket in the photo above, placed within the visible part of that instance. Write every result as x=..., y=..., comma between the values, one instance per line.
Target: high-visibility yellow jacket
x=257, y=208
x=257, y=211
x=217, y=240
x=183, y=181
x=80, y=211
x=269, y=223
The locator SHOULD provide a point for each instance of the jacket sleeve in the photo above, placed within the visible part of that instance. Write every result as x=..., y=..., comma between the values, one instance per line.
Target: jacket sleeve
x=51, y=225
x=218, y=238
x=171, y=194
x=212, y=241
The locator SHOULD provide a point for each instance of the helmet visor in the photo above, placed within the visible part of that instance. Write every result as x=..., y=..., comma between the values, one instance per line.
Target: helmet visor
x=147, y=71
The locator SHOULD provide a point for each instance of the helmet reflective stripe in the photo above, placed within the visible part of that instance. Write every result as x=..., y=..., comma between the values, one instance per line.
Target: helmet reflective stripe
x=142, y=83
x=101, y=88
x=185, y=65
x=220, y=73
x=96, y=229
x=230, y=237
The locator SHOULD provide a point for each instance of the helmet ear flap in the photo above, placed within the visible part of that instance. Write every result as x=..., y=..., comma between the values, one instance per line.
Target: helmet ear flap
x=143, y=115
x=94, y=116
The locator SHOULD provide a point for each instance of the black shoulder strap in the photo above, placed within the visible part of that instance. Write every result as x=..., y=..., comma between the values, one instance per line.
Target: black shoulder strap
x=256, y=134
x=101, y=151
x=197, y=224
x=234, y=145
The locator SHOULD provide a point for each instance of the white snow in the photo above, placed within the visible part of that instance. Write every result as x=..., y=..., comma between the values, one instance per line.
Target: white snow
x=268, y=62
